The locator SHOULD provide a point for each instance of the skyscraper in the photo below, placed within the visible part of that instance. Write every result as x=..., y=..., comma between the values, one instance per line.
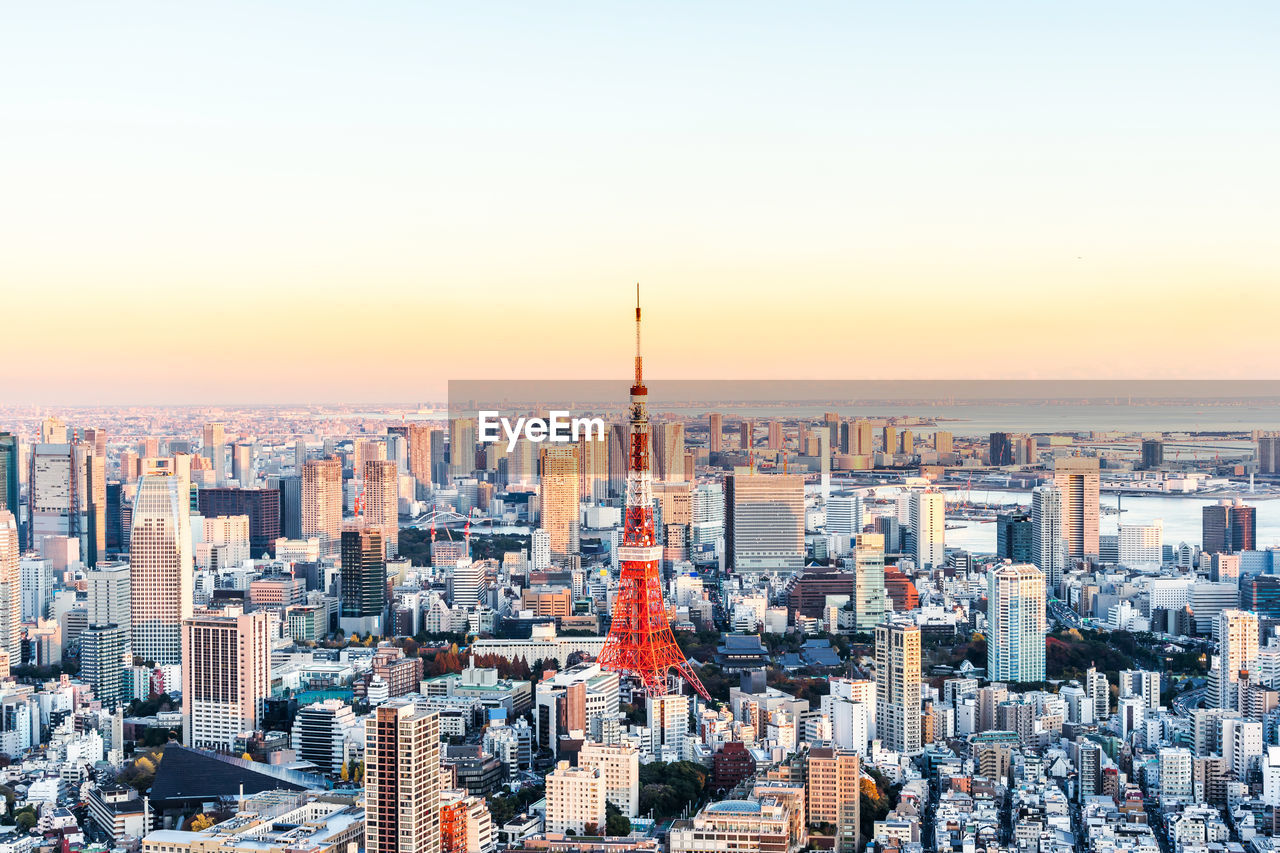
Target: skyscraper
x=593, y=469
x=1000, y=449
x=943, y=442
x=1015, y=623
x=364, y=581
x=382, y=502
x=10, y=588
x=560, y=496
x=716, y=431
x=1078, y=480
x=322, y=503
x=861, y=441
x=928, y=528
x=462, y=447
x=1228, y=526
x=870, y=600
x=1152, y=453
x=1048, y=547
x=745, y=435
x=1014, y=536
x=226, y=675
x=764, y=522
x=898, y=687
x=242, y=464
x=402, y=779
x=1237, y=646
x=889, y=439
x=10, y=460
x=161, y=569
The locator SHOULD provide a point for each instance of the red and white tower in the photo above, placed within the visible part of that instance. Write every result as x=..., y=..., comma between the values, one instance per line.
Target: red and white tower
x=640, y=643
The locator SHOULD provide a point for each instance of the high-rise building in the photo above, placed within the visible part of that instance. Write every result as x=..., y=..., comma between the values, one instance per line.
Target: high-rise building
x=667, y=718
x=870, y=600
x=1237, y=646
x=943, y=442
x=104, y=653
x=322, y=503
x=764, y=523
x=667, y=449
x=215, y=435
x=889, y=439
x=1141, y=545
x=560, y=498
x=382, y=502
x=1015, y=536
x=161, y=568
x=1261, y=594
x=746, y=439
x=1000, y=449
x=620, y=766
x=1078, y=480
x=861, y=438
x=844, y=514
x=898, y=687
x=110, y=597
x=928, y=528
x=1015, y=623
x=593, y=469
x=261, y=506
x=226, y=675
x=1268, y=453
x=364, y=581
x=1152, y=453
x=10, y=588
x=1048, y=546
x=716, y=432
x=10, y=478
x=833, y=789
x=462, y=447
x=1228, y=526
x=775, y=435
x=402, y=779
x=320, y=734
x=575, y=799
x=242, y=464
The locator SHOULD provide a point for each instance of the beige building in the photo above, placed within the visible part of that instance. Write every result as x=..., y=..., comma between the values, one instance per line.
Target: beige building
x=1237, y=647
x=576, y=799
x=402, y=779
x=898, y=687
x=833, y=788
x=1078, y=480
x=161, y=567
x=559, y=498
x=226, y=675
x=620, y=766
x=10, y=587
x=382, y=502
x=322, y=503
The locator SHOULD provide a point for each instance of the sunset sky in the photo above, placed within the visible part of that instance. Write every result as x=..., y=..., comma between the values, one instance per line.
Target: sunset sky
x=358, y=202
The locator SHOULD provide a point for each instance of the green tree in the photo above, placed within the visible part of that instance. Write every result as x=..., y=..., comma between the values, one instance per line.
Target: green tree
x=616, y=824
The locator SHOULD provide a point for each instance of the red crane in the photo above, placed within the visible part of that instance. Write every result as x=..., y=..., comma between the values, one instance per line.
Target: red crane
x=640, y=642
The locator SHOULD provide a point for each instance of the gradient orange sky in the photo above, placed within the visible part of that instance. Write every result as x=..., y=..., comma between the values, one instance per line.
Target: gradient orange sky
x=319, y=202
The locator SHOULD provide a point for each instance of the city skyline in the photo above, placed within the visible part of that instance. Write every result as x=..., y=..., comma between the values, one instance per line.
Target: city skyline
x=300, y=178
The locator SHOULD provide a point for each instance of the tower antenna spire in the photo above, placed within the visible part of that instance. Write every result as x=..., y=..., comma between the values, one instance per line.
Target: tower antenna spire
x=639, y=362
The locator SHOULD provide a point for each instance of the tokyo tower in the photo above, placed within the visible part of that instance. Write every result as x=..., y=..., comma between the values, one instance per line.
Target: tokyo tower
x=640, y=643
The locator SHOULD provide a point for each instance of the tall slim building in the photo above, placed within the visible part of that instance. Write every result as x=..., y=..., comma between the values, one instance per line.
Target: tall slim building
x=1228, y=526
x=1000, y=449
x=943, y=442
x=746, y=437
x=10, y=477
x=1014, y=536
x=215, y=435
x=462, y=447
x=889, y=438
x=1015, y=623
x=1048, y=545
x=1237, y=646
x=593, y=469
x=560, y=490
x=1078, y=480
x=1152, y=453
x=242, y=464
x=871, y=601
x=364, y=581
x=402, y=779
x=322, y=503
x=764, y=522
x=667, y=451
x=226, y=675
x=861, y=440
x=929, y=528
x=898, y=687
x=715, y=436
x=382, y=502
x=110, y=596
x=104, y=653
x=161, y=568
x=775, y=435
x=10, y=588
